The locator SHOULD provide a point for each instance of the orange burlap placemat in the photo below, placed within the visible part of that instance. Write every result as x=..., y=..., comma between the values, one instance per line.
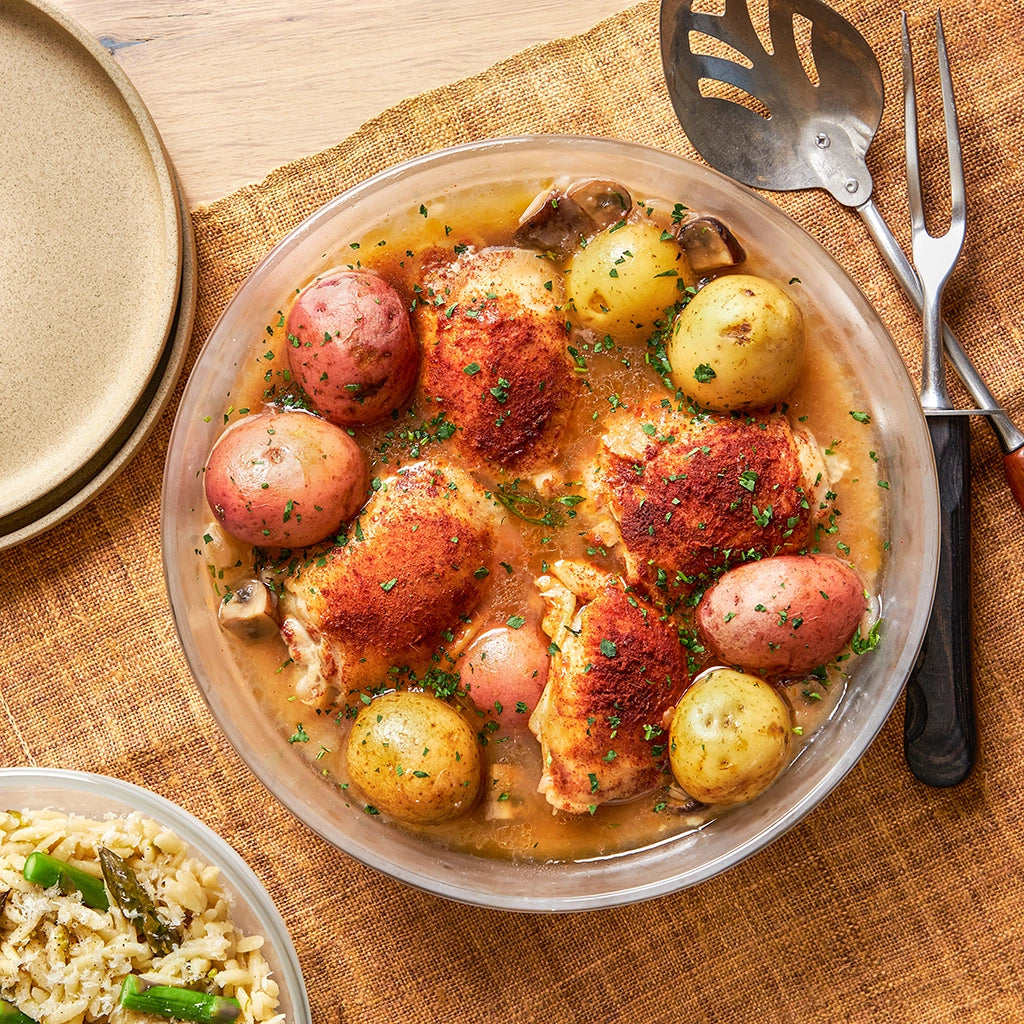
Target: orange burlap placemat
x=891, y=902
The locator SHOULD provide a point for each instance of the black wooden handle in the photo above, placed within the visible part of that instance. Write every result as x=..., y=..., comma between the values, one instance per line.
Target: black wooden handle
x=939, y=733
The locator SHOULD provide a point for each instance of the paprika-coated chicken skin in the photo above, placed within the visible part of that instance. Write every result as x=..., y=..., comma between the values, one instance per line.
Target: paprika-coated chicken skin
x=411, y=570
x=688, y=493
x=496, y=360
x=617, y=669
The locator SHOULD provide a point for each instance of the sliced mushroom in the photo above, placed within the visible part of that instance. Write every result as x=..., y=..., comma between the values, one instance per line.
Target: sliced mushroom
x=605, y=202
x=553, y=223
x=557, y=222
x=710, y=245
x=251, y=611
x=681, y=803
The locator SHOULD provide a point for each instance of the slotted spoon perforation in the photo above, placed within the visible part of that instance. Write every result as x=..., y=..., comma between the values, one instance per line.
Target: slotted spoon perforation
x=804, y=143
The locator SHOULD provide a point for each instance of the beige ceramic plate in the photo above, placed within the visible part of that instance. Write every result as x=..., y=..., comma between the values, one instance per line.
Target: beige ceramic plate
x=79, y=489
x=90, y=252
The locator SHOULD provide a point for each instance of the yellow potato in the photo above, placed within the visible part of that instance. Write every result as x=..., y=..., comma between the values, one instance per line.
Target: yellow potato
x=739, y=344
x=625, y=278
x=415, y=758
x=730, y=737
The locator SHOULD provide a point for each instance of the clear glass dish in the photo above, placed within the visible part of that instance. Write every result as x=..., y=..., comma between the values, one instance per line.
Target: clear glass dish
x=907, y=584
x=100, y=796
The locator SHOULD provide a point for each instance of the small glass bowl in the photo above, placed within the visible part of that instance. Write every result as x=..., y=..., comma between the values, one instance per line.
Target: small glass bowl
x=785, y=251
x=101, y=796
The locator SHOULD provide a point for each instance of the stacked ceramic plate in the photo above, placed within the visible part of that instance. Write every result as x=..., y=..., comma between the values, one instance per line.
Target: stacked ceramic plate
x=97, y=270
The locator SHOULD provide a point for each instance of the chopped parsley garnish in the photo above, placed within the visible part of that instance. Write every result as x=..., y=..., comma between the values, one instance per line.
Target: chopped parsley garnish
x=863, y=643
x=748, y=480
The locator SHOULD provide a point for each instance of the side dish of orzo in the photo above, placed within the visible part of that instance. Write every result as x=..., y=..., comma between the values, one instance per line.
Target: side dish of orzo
x=117, y=920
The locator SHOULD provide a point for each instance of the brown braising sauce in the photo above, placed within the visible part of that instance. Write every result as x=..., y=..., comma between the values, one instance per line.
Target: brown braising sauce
x=512, y=819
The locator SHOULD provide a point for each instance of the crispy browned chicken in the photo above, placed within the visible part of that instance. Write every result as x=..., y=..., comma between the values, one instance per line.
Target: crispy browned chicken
x=495, y=357
x=688, y=493
x=411, y=572
x=616, y=671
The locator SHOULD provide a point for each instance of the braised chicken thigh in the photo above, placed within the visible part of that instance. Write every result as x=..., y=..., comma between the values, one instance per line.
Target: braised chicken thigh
x=495, y=355
x=414, y=568
x=690, y=492
x=616, y=669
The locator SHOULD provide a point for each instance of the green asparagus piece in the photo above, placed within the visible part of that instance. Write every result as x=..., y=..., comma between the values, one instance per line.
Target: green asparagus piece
x=44, y=870
x=10, y=1014
x=136, y=904
x=181, y=1003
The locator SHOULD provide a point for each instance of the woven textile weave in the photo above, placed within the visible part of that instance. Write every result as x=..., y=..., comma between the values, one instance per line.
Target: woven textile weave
x=890, y=902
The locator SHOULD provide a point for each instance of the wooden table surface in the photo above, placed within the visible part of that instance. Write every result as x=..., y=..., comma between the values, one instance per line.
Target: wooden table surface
x=238, y=87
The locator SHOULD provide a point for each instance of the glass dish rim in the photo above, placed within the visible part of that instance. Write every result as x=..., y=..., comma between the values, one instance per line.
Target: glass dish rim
x=453, y=888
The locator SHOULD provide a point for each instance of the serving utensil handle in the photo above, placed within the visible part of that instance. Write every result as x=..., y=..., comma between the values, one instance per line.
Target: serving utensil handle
x=1013, y=469
x=939, y=731
x=1010, y=438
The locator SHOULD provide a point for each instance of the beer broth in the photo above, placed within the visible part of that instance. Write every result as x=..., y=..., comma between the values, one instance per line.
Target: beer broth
x=512, y=820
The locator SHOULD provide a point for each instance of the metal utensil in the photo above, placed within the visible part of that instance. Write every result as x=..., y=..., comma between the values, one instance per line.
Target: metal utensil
x=939, y=735
x=781, y=131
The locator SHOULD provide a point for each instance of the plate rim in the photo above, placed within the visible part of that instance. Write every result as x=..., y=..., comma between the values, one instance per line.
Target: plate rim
x=88, y=459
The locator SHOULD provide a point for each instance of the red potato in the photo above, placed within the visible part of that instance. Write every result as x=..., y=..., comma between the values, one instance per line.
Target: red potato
x=285, y=480
x=351, y=346
x=504, y=668
x=784, y=615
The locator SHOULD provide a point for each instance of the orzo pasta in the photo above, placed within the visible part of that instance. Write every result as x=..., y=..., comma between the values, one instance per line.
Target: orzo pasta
x=63, y=962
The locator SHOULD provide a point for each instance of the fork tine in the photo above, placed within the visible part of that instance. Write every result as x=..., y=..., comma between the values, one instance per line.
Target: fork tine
x=957, y=187
x=934, y=255
x=958, y=195
x=914, y=196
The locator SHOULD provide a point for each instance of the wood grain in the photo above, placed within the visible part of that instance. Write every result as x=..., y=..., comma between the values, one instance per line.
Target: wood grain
x=940, y=738
x=239, y=88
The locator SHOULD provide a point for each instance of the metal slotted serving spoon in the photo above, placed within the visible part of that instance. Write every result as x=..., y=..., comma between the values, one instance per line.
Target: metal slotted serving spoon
x=775, y=128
